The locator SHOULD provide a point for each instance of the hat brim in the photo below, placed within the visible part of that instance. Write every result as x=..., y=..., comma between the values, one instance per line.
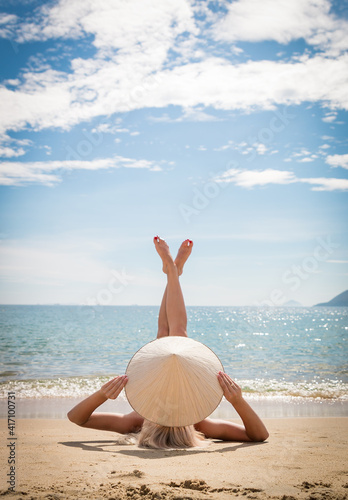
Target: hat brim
x=172, y=381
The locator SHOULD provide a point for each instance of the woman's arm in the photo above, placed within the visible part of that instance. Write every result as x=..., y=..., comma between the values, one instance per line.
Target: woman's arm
x=253, y=429
x=82, y=414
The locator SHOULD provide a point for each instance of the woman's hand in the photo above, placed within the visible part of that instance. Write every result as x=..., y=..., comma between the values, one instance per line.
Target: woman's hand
x=112, y=389
x=81, y=414
x=232, y=391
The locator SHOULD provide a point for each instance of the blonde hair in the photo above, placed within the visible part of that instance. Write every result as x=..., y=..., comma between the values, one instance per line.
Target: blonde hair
x=160, y=437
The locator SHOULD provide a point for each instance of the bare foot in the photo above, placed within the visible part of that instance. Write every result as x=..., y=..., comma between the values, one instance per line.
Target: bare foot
x=183, y=254
x=163, y=251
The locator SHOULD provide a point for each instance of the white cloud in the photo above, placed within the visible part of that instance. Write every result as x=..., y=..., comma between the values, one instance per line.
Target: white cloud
x=106, y=128
x=242, y=147
x=327, y=184
x=8, y=152
x=261, y=149
x=303, y=152
x=302, y=156
x=260, y=84
x=12, y=148
x=196, y=114
x=113, y=128
x=246, y=148
x=48, y=149
x=7, y=21
x=253, y=178
x=330, y=117
x=135, y=47
x=306, y=159
x=337, y=160
x=19, y=173
x=53, y=99
x=283, y=21
x=114, y=23
x=133, y=69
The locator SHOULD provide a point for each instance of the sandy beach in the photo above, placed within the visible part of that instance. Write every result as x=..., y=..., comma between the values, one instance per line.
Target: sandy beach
x=304, y=458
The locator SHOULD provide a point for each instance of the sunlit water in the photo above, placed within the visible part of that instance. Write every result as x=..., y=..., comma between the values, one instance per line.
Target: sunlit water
x=68, y=351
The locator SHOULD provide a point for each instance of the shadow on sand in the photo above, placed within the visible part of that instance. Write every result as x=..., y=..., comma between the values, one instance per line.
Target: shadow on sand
x=113, y=446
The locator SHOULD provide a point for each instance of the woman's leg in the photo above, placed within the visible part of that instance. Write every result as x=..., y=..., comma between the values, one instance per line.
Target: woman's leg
x=175, y=305
x=163, y=327
x=172, y=317
x=182, y=256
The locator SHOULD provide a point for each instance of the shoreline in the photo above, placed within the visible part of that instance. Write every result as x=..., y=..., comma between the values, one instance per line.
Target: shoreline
x=303, y=458
x=57, y=408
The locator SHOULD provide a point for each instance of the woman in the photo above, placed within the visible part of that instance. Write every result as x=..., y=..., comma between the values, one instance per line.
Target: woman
x=172, y=320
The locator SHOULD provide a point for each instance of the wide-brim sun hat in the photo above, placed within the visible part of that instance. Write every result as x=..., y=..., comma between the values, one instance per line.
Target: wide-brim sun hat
x=172, y=381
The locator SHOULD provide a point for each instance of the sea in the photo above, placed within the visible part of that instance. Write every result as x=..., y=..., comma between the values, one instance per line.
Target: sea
x=288, y=361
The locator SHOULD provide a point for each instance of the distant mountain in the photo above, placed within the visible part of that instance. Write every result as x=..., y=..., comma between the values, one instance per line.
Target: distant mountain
x=340, y=300
x=292, y=303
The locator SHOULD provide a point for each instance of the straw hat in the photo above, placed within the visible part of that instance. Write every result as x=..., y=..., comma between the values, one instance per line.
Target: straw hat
x=172, y=381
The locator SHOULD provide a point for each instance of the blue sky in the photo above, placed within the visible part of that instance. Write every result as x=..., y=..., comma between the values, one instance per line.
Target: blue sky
x=223, y=122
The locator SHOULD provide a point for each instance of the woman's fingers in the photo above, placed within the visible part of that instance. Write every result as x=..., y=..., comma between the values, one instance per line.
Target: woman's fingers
x=116, y=387
x=225, y=379
x=108, y=384
x=230, y=388
x=224, y=382
x=113, y=388
x=237, y=386
x=221, y=380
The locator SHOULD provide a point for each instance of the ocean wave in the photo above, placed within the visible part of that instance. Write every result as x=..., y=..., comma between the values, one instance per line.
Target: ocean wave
x=71, y=387
x=258, y=389
x=313, y=390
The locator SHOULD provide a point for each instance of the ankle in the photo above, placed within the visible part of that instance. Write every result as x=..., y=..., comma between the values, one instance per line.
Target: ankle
x=171, y=268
